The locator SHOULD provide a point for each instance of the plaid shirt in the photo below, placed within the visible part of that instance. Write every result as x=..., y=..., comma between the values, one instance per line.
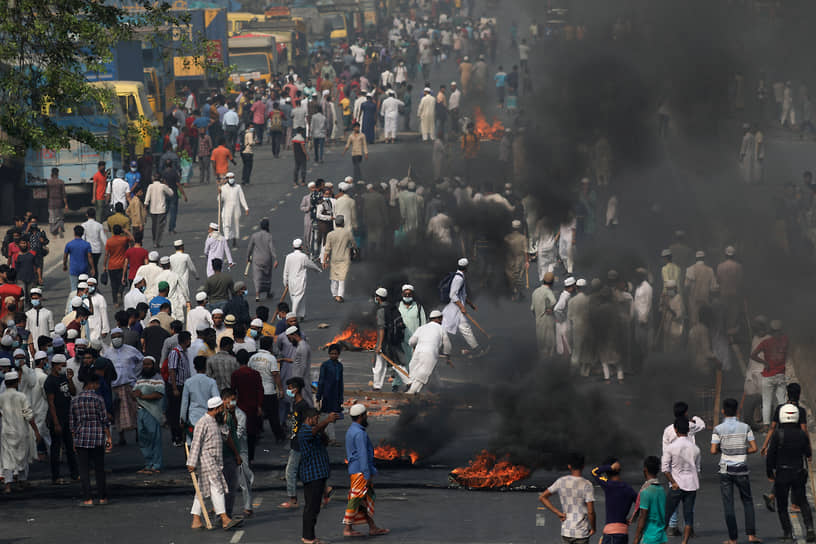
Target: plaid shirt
x=220, y=368
x=88, y=420
x=177, y=360
x=314, y=459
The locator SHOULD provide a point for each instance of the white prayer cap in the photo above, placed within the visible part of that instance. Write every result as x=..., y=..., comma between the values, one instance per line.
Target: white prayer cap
x=730, y=251
x=569, y=282
x=82, y=285
x=153, y=256
x=82, y=277
x=218, y=311
x=328, y=185
x=411, y=186
x=214, y=226
x=40, y=355
x=164, y=260
x=146, y=357
x=96, y=344
x=230, y=175
x=214, y=402
x=58, y=358
x=310, y=185
x=325, y=92
x=291, y=315
x=81, y=342
x=453, y=84
x=407, y=287
x=297, y=243
x=426, y=90
x=76, y=302
x=383, y=185
x=59, y=328
x=72, y=334
x=5, y=361
x=462, y=262
x=178, y=243
x=357, y=410
x=11, y=376
x=116, y=330
x=137, y=279
x=435, y=314
x=369, y=186
x=516, y=224
x=666, y=253
x=291, y=330
x=391, y=92
x=287, y=99
x=343, y=186
x=36, y=291
x=19, y=351
x=201, y=296
x=370, y=95
x=699, y=255
x=776, y=325
x=230, y=320
x=256, y=323
x=92, y=281
x=581, y=282
x=202, y=326
x=381, y=292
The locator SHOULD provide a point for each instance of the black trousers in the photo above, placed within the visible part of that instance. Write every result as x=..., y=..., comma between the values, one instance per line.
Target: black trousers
x=277, y=140
x=248, y=159
x=270, y=410
x=230, y=472
x=312, y=497
x=58, y=441
x=97, y=457
x=174, y=412
x=95, y=257
x=115, y=277
x=792, y=481
x=300, y=167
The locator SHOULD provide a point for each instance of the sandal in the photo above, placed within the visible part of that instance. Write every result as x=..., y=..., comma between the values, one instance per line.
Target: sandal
x=144, y=471
x=233, y=524
x=327, y=497
x=379, y=531
x=288, y=505
x=352, y=534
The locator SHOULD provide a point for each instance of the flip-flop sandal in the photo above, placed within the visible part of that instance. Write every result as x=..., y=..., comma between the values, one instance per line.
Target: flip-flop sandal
x=379, y=532
x=233, y=524
x=144, y=471
x=328, y=496
x=86, y=505
x=288, y=505
x=353, y=534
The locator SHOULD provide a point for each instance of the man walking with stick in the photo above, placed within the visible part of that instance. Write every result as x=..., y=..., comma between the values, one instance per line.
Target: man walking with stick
x=207, y=454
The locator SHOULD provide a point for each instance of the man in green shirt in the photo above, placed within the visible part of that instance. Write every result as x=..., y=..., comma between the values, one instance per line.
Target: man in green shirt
x=148, y=392
x=651, y=506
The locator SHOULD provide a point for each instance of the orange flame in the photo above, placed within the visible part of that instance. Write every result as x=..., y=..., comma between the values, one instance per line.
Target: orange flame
x=385, y=452
x=485, y=130
x=485, y=471
x=356, y=338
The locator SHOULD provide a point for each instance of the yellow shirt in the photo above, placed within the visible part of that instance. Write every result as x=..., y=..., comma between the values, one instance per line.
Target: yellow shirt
x=345, y=103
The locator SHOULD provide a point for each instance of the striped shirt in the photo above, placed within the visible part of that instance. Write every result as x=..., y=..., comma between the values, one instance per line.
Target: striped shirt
x=733, y=437
x=88, y=420
x=177, y=360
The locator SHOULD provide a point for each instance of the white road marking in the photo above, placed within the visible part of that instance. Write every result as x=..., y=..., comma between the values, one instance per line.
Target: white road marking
x=236, y=538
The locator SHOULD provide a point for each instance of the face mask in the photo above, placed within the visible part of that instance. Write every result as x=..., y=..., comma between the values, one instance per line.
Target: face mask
x=47, y=367
x=117, y=342
x=219, y=417
x=35, y=302
x=50, y=351
x=142, y=288
x=233, y=404
x=19, y=362
x=15, y=344
x=231, y=181
x=133, y=169
x=83, y=322
x=84, y=296
x=253, y=333
x=91, y=289
x=290, y=393
x=62, y=371
x=407, y=300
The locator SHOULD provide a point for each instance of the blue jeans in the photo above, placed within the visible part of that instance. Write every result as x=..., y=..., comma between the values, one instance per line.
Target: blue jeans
x=292, y=466
x=675, y=496
x=319, y=146
x=74, y=282
x=172, y=212
x=149, y=439
x=743, y=483
x=615, y=539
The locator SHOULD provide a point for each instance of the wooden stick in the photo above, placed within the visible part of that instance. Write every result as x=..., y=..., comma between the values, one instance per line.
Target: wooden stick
x=246, y=269
x=478, y=326
x=220, y=231
x=527, y=275
x=198, y=492
x=395, y=365
x=283, y=296
x=717, y=393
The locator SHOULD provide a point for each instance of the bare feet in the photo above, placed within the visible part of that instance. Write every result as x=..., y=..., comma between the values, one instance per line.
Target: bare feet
x=377, y=531
x=350, y=532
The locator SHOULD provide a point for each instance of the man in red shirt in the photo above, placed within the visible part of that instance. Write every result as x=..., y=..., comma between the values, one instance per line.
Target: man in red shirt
x=774, y=352
x=100, y=183
x=135, y=257
x=248, y=388
x=10, y=295
x=221, y=157
x=115, y=249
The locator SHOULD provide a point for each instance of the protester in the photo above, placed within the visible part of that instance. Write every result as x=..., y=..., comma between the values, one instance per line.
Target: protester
x=577, y=514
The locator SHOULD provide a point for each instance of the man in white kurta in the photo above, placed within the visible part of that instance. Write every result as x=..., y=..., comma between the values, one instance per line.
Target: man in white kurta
x=135, y=295
x=345, y=205
x=199, y=318
x=98, y=324
x=216, y=247
x=18, y=432
x=33, y=382
x=294, y=277
x=428, y=342
x=578, y=318
x=453, y=315
x=182, y=264
x=562, y=324
x=427, y=115
x=232, y=201
x=179, y=294
x=389, y=110
x=149, y=272
x=337, y=256
x=546, y=247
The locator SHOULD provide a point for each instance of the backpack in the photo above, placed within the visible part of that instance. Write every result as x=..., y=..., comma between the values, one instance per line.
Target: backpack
x=276, y=121
x=164, y=369
x=394, y=326
x=445, y=287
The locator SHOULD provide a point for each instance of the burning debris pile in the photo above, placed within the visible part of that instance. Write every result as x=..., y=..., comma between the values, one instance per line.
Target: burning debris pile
x=378, y=407
x=484, y=130
x=385, y=452
x=486, y=472
x=353, y=338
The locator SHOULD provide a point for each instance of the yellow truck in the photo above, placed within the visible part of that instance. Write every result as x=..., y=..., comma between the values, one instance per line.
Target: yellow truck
x=254, y=56
x=237, y=21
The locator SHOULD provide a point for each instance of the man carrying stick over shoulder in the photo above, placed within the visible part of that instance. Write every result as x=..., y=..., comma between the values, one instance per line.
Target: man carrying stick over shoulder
x=206, y=454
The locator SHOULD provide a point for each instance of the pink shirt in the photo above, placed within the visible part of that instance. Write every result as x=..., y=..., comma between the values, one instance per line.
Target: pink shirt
x=258, y=110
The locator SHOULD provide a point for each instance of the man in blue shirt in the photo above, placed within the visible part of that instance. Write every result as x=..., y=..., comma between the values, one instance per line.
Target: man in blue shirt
x=157, y=301
x=501, y=79
x=314, y=468
x=79, y=252
x=195, y=393
x=330, y=387
x=360, y=455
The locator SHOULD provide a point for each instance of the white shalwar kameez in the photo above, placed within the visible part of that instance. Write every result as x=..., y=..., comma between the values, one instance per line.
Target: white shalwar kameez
x=179, y=295
x=232, y=201
x=216, y=247
x=453, y=319
x=562, y=325
x=427, y=116
x=429, y=342
x=17, y=444
x=150, y=272
x=546, y=247
x=389, y=109
x=294, y=277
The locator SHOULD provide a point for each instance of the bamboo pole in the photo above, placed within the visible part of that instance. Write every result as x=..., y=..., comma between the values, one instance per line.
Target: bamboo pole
x=199, y=497
x=395, y=365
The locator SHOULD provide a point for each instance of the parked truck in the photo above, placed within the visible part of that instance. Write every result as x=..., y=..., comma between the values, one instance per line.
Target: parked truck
x=253, y=56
